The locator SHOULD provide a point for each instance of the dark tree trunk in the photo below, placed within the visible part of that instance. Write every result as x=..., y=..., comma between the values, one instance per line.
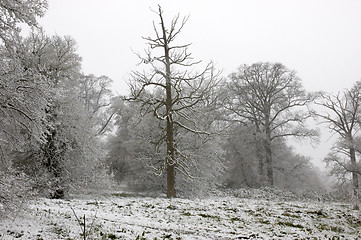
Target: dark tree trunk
x=260, y=154
x=260, y=162
x=170, y=160
x=170, y=135
x=268, y=148
x=269, y=162
x=354, y=177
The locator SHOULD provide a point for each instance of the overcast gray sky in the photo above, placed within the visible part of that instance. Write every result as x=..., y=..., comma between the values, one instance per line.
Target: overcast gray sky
x=320, y=39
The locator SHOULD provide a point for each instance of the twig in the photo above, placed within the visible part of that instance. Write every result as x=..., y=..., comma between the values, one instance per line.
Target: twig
x=76, y=216
x=83, y=228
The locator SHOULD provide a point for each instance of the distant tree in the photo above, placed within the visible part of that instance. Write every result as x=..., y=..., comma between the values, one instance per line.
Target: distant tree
x=295, y=172
x=134, y=156
x=343, y=117
x=242, y=158
x=270, y=98
x=95, y=95
x=177, y=90
x=292, y=172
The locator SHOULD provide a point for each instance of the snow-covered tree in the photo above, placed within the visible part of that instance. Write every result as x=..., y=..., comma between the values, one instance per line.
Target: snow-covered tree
x=14, y=12
x=95, y=95
x=270, y=99
x=22, y=97
x=69, y=151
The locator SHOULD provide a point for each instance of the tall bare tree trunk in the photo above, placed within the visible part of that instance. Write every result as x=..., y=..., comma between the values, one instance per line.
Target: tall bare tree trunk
x=260, y=156
x=354, y=178
x=170, y=145
x=170, y=136
x=170, y=160
x=269, y=161
x=268, y=148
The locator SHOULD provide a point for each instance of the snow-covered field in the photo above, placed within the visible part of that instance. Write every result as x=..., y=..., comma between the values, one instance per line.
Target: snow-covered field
x=124, y=217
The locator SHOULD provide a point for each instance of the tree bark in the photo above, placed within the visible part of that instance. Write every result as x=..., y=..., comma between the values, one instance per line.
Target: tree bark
x=354, y=176
x=170, y=136
x=259, y=154
x=269, y=161
x=170, y=157
x=268, y=148
x=170, y=161
x=260, y=162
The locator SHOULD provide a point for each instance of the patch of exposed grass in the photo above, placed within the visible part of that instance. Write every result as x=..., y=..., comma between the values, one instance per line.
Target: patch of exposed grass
x=147, y=205
x=290, y=224
x=336, y=229
x=232, y=209
x=292, y=215
x=123, y=195
x=264, y=221
x=172, y=207
x=319, y=213
x=112, y=236
x=187, y=214
x=95, y=203
x=235, y=219
x=59, y=231
x=16, y=234
x=209, y=216
x=250, y=211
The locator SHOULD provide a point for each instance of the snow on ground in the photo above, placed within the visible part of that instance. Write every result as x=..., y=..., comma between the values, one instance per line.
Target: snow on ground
x=121, y=217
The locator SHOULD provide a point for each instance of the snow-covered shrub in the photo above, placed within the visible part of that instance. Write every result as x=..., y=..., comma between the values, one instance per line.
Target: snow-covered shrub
x=15, y=190
x=276, y=194
x=265, y=193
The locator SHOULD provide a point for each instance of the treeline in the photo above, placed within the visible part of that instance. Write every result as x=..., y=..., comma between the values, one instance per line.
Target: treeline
x=52, y=116
x=184, y=129
x=190, y=130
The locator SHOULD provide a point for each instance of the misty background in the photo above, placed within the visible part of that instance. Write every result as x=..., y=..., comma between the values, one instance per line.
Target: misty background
x=318, y=39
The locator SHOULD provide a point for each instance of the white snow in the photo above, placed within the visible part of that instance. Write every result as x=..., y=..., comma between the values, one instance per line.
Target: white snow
x=119, y=217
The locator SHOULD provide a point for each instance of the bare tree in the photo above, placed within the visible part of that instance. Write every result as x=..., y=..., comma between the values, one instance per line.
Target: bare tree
x=95, y=92
x=270, y=98
x=96, y=96
x=168, y=89
x=343, y=118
